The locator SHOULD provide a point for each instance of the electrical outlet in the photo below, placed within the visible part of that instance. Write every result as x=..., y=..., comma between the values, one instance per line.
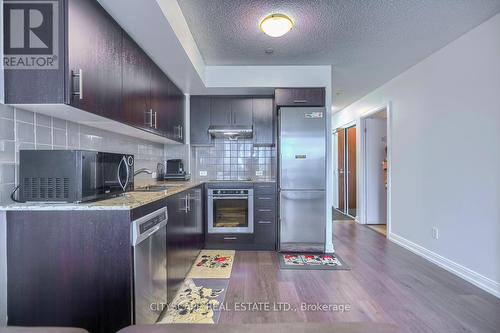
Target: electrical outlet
x=154, y=175
x=435, y=233
x=259, y=173
x=203, y=173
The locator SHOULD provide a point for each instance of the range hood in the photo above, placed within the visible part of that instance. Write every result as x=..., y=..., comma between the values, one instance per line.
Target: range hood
x=231, y=132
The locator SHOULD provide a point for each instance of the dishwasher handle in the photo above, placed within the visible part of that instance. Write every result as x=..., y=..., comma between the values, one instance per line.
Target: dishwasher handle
x=144, y=227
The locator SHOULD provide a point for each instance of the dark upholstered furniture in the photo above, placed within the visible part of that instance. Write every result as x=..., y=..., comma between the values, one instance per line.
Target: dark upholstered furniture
x=13, y=329
x=266, y=328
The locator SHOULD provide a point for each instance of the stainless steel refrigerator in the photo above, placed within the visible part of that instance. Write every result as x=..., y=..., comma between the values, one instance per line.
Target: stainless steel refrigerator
x=302, y=179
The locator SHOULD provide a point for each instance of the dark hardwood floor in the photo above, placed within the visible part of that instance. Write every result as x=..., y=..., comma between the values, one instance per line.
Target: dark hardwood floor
x=386, y=284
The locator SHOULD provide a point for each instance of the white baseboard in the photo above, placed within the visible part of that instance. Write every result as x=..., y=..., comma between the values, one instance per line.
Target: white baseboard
x=465, y=273
x=375, y=220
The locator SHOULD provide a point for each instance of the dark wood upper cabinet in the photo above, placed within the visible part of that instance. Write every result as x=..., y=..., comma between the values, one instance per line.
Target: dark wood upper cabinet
x=230, y=111
x=175, y=116
x=241, y=111
x=200, y=120
x=263, y=121
x=101, y=71
x=220, y=114
x=300, y=96
x=157, y=116
x=94, y=59
x=136, y=83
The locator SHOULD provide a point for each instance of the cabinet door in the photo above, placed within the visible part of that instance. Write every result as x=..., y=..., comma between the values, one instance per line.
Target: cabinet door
x=161, y=103
x=136, y=83
x=241, y=111
x=300, y=96
x=175, y=244
x=95, y=51
x=196, y=218
x=200, y=120
x=220, y=111
x=176, y=113
x=263, y=121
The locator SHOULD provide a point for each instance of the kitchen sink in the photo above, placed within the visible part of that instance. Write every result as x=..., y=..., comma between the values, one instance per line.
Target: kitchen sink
x=155, y=188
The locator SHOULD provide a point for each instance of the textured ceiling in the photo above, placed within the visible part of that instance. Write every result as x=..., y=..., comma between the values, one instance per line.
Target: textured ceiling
x=367, y=41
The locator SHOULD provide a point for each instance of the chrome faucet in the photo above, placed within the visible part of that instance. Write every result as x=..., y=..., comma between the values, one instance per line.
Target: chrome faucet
x=143, y=170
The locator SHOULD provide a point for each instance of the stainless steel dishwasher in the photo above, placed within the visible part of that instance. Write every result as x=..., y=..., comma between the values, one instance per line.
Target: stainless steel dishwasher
x=149, y=243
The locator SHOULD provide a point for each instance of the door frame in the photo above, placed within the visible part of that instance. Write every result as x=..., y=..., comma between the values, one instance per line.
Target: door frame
x=345, y=127
x=362, y=183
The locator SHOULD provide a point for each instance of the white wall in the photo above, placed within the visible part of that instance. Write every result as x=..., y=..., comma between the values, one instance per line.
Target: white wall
x=376, y=193
x=445, y=137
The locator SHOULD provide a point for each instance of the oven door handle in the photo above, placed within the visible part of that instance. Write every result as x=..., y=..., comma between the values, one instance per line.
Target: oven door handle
x=231, y=198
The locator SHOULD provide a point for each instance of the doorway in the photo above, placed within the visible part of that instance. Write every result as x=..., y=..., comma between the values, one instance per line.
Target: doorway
x=346, y=171
x=375, y=170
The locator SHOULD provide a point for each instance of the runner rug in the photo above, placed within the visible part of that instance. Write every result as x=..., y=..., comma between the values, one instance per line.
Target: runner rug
x=306, y=261
x=198, y=301
x=213, y=264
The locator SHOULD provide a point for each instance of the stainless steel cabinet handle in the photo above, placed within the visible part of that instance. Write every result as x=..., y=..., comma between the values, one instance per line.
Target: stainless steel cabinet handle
x=265, y=198
x=79, y=76
x=265, y=210
x=230, y=238
x=149, y=118
x=156, y=120
x=185, y=208
x=300, y=100
x=178, y=132
x=264, y=222
x=189, y=198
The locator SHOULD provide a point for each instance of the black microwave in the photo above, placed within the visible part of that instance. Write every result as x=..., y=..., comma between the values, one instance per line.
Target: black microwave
x=73, y=175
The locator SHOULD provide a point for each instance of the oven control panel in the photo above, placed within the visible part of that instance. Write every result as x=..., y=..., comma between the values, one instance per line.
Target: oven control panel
x=230, y=192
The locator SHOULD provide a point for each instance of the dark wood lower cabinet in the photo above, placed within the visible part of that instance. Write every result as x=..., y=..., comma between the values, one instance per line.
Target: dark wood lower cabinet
x=185, y=236
x=69, y=268
x=265, y=215
x=75, y=268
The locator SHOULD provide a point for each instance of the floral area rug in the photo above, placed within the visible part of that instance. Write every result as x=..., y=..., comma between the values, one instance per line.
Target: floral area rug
x=213, y=264
x=311, y=261
x=198, y=301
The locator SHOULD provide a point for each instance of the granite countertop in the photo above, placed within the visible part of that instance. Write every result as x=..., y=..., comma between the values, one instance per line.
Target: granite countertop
x=127, y=201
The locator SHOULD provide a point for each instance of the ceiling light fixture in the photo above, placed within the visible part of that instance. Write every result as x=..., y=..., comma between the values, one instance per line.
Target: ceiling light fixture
x=276, y=25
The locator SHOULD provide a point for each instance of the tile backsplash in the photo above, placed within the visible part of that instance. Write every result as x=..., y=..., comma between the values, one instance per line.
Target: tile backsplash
x=234, y=160
x=20, y=129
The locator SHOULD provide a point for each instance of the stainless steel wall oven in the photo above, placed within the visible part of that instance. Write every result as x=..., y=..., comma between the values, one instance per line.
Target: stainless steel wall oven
x=230, y=211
